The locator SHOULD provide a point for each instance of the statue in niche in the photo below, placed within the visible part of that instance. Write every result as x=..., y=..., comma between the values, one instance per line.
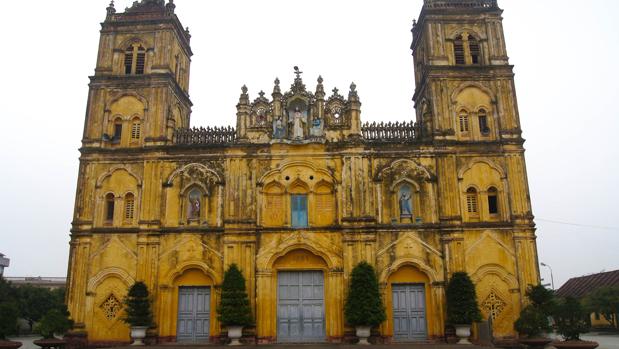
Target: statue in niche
x=316, y=130
x=298, y=122
x=279, y=129
x=261, y=118
x=194, y=204
x=406, y=201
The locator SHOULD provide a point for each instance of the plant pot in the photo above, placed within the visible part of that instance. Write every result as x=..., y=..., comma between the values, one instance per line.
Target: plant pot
x=138, y=333
x=575, y=345
x=535, y=343
x=463, y=332
x=50, y=343
x=363, y=333
x=9, y=344
x=235, y=333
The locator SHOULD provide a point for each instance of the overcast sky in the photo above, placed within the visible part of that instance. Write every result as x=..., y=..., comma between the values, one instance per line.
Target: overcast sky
x=565, y=54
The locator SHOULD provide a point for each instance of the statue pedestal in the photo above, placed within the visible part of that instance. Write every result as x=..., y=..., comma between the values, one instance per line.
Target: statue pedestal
x=406, y=218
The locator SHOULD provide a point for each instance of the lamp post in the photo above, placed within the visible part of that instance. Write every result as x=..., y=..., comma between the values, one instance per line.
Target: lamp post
x=552, y=279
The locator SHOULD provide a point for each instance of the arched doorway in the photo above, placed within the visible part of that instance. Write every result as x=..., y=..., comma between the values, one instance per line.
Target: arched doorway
x=301, y=315
x=409, y=305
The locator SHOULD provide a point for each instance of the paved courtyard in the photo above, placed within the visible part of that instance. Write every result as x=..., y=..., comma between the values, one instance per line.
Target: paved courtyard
x=607, y=341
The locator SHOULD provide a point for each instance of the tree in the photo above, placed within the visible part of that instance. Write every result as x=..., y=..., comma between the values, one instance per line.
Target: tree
x=234, y=309
x=533, y=320
x=8, y=309
x=572, y=319
x=55, y=321
x=137, y=306
x=462, y=308
x=34, y=302
x=364, y=306
x=605, y=301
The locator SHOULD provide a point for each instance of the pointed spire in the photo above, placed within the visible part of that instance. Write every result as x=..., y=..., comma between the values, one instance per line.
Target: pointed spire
x=320, y=89
x=110, y=10
x=276, y=89
x=170, y=7
x=244, y=98
x=352, y=94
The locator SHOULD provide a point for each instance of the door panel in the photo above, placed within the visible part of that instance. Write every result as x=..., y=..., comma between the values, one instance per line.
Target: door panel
x=300, y=315
x=409, y=312
x=194, y=314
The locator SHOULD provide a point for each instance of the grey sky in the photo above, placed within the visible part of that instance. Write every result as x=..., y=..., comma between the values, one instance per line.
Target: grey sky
x=565, y=53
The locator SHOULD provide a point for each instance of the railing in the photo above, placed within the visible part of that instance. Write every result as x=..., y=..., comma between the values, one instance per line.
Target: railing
x=438, y=4
x=208, y=135
x=389, y=132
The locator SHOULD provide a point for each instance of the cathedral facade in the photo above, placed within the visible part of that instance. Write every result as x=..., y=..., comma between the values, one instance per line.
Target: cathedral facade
x=301, y=190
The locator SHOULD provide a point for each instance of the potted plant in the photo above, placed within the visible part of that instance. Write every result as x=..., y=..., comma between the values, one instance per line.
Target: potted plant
x=462, y=308
x=364, y=307
x=533, y=323
x=234, y=310
x=54, y=321
x=572, y=320
x=138, y=313
x=8, y=324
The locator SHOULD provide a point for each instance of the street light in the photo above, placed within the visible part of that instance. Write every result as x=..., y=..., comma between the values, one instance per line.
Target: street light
x=552, y=279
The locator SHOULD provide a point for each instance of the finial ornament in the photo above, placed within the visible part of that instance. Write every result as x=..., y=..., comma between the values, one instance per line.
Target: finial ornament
x=297, y=72
x=335, y=90
x=353, y=87
x=110, y=9
x=276, y=81
x=244, y=89
x=320, y=79
x=261, y=94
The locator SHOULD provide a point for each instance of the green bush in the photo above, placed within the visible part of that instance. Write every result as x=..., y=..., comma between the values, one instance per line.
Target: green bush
x=364, y=306
x=533, y=320
x=605, y=301
x=137, y=306
x=234, y=309
x=462, y=308
x=572, y=319
x=55, y=321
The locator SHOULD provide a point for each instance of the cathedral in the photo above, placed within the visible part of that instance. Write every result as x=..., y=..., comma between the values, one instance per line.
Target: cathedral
x=300, y=190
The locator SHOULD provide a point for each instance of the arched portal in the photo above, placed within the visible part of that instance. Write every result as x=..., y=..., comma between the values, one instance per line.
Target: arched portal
x=299, y=299
x=188, y=307
x=411, y=304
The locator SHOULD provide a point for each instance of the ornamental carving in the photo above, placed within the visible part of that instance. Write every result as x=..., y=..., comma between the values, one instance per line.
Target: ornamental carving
x=493, y=305
x=402, y=169
x=197, y=173
x=111, y=307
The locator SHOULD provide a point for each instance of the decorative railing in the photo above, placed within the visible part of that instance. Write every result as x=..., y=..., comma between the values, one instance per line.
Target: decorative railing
x=208, y=135
x=439, y=4
x=389, y=132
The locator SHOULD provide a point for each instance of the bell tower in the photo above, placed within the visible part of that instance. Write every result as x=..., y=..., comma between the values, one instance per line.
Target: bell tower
x=139, y=93
x=465, y=85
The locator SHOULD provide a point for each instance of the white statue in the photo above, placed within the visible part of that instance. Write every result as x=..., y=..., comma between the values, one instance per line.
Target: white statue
x=298, y=121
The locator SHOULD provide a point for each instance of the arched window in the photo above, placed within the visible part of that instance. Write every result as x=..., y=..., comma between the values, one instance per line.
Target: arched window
x=129, y=207
x=474, y=50
x=471, y=201
x=482, y=115
x=463, y=120
x=493, y=201
x=109, y=208
x=118, y=130
x=194, y=204
x=136, y=130
x=135, y=59
x=459, y=50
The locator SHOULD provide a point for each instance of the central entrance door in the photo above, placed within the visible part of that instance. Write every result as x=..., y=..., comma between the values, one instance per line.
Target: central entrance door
x=194, y=314
x=409, y=312
x=300, y=306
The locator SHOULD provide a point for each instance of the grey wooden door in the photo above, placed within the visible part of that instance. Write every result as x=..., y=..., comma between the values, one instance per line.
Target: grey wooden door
x=300, y=306
x=194, y=314
x=409, y=312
